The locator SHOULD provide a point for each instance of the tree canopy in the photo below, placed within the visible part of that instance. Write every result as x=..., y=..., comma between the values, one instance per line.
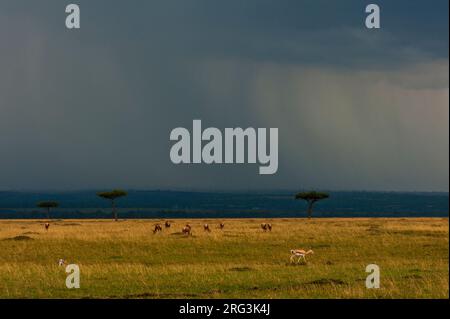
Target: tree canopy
x=112, y=194
x=312, y=196
x=48, y=204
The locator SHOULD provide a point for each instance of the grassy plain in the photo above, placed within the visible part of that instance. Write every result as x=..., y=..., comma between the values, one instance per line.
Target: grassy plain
x=125, y=259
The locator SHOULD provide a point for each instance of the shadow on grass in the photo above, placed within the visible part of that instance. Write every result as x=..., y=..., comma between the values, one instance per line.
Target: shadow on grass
x=241, y=269
x=19, y=238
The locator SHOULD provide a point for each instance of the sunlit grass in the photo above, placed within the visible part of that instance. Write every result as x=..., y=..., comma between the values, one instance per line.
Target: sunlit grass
x=126, y=260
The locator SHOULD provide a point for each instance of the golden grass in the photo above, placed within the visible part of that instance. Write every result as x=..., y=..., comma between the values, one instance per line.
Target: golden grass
x=126, y=260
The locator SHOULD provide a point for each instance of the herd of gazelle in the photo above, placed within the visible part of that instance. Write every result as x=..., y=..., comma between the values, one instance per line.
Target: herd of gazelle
x=300, y=254
x=311, y=197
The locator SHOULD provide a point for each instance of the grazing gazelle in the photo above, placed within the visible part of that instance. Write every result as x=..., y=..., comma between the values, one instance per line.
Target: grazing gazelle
x=300, y=253
x=167, y=224
x=222, y=225
x=187, y=230
x=206, y=228
x=47, y=225
x=158, y=228
x=266, y=227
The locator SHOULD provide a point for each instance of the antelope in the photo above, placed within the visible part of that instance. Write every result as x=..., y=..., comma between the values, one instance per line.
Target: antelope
x=158, y=228
x=47, y=225
x=300, y=253
x=266, y=227
x=206, y=228
x=222, y=225
x=187, y=230
x=61, y=262
x=167, y=224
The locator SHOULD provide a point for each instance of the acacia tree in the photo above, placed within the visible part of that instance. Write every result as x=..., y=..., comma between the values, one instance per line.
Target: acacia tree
x=311, y=198
x=112, y=196
x=48, y=205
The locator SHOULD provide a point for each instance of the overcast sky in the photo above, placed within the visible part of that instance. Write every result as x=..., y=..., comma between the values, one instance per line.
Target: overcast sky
x=357, y=109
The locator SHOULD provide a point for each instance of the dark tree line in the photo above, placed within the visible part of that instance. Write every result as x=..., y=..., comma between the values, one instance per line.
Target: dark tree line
x=311, y=198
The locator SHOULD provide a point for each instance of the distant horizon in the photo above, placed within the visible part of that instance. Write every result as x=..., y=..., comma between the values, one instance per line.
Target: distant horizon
x=218, y=190
x=165, y=204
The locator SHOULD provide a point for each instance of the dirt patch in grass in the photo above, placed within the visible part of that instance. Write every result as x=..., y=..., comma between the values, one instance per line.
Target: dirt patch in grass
x=181, y=235
x=413, y=276
x=20, y=238
x=152, y=295
x=241, y=269
x=31, y=233
x=318, y=282
x=115, y=257
x=327, y=281
x=419, y=233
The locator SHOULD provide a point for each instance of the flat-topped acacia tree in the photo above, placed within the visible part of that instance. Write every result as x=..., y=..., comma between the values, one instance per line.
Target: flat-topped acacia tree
x=311, y=197
x=112, y=196
x=48, y=205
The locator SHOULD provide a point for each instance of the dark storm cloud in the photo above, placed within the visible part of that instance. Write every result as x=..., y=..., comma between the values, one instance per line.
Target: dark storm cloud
x=356, y=108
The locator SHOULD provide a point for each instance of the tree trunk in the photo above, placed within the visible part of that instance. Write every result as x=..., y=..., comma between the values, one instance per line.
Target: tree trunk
x=310, y=207
x=114, y=210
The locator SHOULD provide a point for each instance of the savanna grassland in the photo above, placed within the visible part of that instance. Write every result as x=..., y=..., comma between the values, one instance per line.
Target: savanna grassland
x=125, y=259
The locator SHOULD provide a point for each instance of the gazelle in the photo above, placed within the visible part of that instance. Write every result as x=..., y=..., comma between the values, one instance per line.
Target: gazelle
x=157, y=228
x=187, y=230
x=300, y=253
